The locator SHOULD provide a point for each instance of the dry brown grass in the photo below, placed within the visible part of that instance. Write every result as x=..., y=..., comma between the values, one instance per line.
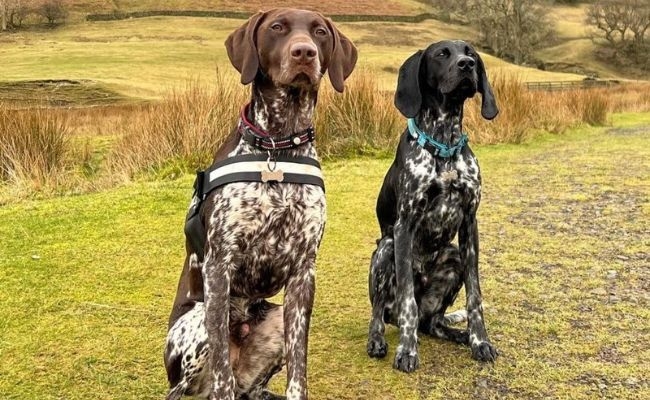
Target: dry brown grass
x=182, y=132
x=523, y=113
x=361, y=121
x=34, y=145
x=92, y=148
x=630, y=97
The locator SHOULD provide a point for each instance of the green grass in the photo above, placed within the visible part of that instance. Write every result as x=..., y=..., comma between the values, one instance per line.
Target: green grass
x=87, y=282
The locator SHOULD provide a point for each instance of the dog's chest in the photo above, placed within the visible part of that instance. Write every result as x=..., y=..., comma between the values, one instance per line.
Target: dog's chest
x=267, y=231
x=441, y=191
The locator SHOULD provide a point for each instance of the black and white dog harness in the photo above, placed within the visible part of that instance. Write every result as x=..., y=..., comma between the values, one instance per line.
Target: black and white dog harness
x=266, y=168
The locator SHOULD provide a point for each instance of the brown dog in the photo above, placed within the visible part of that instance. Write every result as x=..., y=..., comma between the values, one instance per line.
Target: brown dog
x=259, y=237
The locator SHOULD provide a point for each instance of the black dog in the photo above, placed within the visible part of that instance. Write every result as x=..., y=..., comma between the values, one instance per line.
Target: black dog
x=431, y=193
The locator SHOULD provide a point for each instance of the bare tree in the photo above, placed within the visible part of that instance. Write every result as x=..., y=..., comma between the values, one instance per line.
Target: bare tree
x=14, y=12
x=3, y=14
x=513, y=29
x=625, y=26
x=53, y=11
x=19, y=11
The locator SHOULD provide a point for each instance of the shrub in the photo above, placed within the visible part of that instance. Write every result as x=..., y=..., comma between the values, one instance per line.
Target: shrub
x=360, y=121
x=593, y=107
x=33, y=145
x=184, y=129
x=53, y=11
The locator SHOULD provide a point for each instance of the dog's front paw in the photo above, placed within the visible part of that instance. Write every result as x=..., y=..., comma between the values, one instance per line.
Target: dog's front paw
x=484, y=351
x=266, y=395
x=377, y=347
x=406, y=361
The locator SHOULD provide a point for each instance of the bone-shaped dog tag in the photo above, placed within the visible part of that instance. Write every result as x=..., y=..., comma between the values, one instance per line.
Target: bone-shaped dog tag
x=272, y=176
x=449, y=175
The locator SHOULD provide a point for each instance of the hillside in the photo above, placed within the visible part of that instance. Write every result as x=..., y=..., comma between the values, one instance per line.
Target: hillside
x=144, y=57
x=573, y=50
x=370, y=7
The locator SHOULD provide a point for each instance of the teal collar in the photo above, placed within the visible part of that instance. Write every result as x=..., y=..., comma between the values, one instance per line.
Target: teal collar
x=436, y=148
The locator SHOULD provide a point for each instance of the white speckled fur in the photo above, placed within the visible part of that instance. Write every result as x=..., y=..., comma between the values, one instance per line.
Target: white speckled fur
x=426, y=202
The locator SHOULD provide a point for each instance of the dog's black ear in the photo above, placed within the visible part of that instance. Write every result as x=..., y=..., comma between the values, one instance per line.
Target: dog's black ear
x=242, y=48
x=343, y=57
x=408, y=98
x=489, y=108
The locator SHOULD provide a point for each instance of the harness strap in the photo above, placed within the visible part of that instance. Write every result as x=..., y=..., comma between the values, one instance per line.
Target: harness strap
x=250, y=168
x=245, y=168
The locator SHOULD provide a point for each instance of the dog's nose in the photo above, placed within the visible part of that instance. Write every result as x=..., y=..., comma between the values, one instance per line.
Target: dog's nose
x=466, y=63
x=303, y=52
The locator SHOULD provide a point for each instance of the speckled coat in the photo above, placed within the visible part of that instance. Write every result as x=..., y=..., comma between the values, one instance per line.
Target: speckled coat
x=263, y=237
x=424, y=203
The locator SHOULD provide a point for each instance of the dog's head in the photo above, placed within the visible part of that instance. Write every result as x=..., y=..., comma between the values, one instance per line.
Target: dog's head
x=450, y=71
x=292, y=48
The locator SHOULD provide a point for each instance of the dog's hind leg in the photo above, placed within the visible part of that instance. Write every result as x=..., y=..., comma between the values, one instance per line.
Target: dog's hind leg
x=441, y=284
x=455, y=317
x=186, y=355
x=381, y=285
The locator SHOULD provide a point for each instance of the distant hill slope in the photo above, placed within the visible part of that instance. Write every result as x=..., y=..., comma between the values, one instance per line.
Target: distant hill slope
x=573, y=51
x=144, y=57
x=370, y=7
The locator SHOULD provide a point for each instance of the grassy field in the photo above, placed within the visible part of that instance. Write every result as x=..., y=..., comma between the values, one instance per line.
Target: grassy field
x=389, y=7
x=88, y=281
x=145, y=57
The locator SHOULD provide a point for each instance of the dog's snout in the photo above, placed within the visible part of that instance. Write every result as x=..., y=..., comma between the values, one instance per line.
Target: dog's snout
x=303, y=52
x=466, y=63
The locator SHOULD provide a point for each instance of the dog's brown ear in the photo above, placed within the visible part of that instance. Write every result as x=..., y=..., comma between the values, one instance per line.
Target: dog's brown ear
x=343, y=58
x=489, y=108
x=242, y=48
x=408, y=96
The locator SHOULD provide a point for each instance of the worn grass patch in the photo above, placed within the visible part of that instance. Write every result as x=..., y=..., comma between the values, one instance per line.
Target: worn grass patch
x=88, y=282
x=59, y=93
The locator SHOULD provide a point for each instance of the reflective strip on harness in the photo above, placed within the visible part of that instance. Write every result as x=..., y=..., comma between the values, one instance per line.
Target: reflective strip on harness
x=250, y=168
x=244, y=168
x=258, y=166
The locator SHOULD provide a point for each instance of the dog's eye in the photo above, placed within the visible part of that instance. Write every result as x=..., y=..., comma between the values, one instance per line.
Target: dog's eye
x=277, y=27
x=442, y=53
x=320, y=31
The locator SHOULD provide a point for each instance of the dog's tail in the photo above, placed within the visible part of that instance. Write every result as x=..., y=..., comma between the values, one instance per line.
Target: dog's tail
x=455, y=317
